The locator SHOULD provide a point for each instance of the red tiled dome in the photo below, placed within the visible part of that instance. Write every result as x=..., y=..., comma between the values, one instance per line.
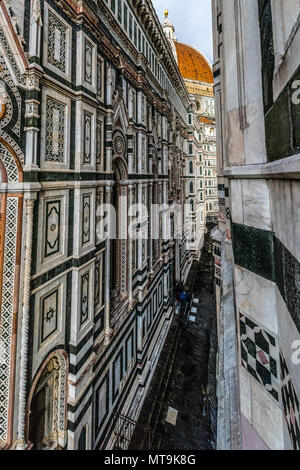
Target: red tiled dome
x=192, y=64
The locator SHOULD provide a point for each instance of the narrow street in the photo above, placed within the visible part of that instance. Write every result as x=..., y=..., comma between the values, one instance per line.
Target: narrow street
x=180, y=407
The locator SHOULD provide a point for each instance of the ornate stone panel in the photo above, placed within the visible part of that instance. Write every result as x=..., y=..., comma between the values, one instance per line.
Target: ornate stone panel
x=52, y=228
x=99, y=143
x=88, y=58
x=84, y=300
x=291, y=405
x=49, y=315
x=55, y=131
x=87, y=138
x=56, y=43
x=259, y=355
x=9, y=164
x=86, y=215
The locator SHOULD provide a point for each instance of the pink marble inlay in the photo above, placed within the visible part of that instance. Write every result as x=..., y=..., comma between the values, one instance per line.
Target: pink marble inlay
x=263, y=357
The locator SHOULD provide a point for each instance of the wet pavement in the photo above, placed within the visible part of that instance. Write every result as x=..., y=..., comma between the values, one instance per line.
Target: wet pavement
x=180, y=408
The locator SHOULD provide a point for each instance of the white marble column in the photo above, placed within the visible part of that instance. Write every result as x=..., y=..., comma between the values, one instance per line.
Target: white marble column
x=107, y=328
x=29, y=204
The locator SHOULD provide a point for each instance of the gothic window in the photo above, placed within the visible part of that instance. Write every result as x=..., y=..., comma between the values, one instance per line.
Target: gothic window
x=119, y=246
x=191, y=187
x=155, y=223
x=191, y=168
x=191, y=149
x=192, y=205
x=48, y=406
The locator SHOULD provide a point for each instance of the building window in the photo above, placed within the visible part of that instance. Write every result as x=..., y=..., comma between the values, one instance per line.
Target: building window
x=125, y=17
x=120, y=11
x=191, y=168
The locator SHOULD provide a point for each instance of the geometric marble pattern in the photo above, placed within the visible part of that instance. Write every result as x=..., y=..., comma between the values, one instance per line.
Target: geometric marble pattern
x=49, y=315
x=56, y=43
x=259, y=351
x=9, y=164
x=291, y=405
x=52, y=228
x=7, y=309
x=55, y=130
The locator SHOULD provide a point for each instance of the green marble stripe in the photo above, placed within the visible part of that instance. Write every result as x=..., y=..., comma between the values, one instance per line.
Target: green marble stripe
x=262, y=253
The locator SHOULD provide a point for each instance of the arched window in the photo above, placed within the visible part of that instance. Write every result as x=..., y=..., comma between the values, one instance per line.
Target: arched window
x=191, y=187
x=191, y=168
x=119, y=245
x=191, y=149
x=201, y=171
x=47, y=402
x=192, y=205
x=155, y=200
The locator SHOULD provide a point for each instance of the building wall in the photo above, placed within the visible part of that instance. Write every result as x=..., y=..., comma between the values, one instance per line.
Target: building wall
x=201, y=196
x=85, y=316
x=256, y=67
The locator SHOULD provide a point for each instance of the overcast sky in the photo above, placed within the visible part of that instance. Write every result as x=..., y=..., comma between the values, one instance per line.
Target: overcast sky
x=192, y=21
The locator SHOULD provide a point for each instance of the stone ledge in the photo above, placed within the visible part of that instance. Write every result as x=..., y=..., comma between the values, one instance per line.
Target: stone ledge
x=288, y=168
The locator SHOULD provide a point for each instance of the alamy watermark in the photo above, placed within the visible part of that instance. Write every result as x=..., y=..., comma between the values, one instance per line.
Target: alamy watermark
x=139, y=222
x=296, y=93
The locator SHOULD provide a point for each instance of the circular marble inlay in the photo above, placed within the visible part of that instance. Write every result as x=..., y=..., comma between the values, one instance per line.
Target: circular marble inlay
x=119, y=145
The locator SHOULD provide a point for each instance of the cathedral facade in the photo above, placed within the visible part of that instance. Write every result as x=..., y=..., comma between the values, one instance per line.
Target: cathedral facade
x=201, y=167
x=93, y=115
